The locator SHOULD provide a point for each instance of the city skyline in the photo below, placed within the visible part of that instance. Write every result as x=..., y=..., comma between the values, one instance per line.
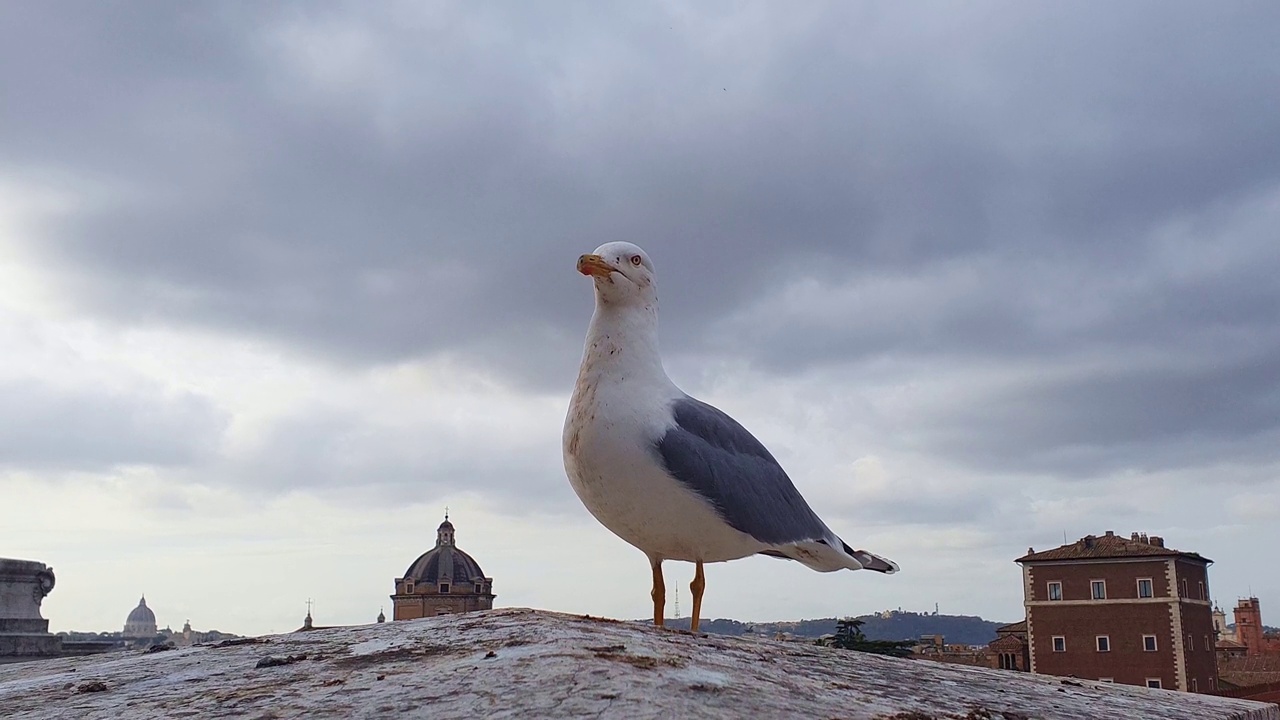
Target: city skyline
x=279, y=283
x=310, y=605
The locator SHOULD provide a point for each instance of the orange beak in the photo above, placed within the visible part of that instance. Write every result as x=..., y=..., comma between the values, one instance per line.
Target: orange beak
x=594, y=265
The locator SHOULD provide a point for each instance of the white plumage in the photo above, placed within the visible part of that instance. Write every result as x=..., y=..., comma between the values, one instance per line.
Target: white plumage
x=671, y=475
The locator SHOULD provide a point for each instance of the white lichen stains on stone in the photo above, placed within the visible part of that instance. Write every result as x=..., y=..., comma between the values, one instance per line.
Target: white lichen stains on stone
x=522, y=663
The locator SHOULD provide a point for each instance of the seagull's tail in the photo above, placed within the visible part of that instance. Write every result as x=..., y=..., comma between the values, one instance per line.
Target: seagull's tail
x=831, y=555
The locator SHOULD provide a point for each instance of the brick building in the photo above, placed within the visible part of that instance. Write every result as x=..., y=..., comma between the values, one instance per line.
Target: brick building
x=1123, y=610
x=935, y=648
x=442, y=580
x=1009, y=651
x=1250, y=632
x=1248, y=655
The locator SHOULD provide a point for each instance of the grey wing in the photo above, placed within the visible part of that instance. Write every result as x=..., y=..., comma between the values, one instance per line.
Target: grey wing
x=716, y=457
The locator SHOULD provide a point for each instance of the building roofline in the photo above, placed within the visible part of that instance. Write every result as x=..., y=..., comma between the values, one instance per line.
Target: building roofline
x=1110, y=546
x=1028, y=559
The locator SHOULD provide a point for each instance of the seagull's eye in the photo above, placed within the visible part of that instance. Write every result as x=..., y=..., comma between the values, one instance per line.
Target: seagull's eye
x=635, y=260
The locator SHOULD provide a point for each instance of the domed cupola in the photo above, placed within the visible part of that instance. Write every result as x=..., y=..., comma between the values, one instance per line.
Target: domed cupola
x=452, y=577
x=141, y=622
x=444, y=533
x=445, y=563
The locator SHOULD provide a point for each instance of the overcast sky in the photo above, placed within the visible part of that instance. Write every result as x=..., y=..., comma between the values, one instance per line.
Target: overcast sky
x=281, y=281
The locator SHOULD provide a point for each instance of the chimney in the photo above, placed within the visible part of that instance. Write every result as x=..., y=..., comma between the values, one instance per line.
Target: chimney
x=1111, y=533
x=1088, y=541
x=1157, y=541
x=1134, y=537
x=1142, y=538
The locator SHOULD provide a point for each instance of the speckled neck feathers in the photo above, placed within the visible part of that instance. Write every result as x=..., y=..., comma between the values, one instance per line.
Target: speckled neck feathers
x=622, y=344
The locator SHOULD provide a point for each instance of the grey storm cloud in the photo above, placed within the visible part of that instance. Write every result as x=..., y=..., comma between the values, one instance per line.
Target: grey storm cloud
x=332, y=451
x=1108, y=420
x=953, y=185
x=49, y=428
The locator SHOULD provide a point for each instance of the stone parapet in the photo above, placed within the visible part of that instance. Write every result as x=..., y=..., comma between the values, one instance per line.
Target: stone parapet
x=15, y=626
x=515, y=663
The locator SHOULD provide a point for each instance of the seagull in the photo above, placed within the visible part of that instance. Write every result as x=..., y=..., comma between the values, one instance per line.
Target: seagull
x=671, y=475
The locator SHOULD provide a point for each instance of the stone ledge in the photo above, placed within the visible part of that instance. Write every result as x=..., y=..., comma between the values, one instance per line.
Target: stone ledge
x=28, y=626
x=528, y=663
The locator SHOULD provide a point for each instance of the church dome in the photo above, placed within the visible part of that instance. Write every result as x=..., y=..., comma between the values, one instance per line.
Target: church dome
x=457, y=565
x=442, y=580
x=141, y=614
x=141, y=622
x=444, y=561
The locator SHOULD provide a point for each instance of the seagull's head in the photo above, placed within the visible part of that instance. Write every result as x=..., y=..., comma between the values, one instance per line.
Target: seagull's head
x=623, y=274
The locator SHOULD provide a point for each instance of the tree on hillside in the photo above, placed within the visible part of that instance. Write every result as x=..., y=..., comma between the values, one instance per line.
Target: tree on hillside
x=849, y=637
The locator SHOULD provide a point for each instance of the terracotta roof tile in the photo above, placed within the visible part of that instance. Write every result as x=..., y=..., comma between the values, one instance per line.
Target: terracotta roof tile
x=1110, y=546
x=1250, y=664
x=1249, y=671
x=1020, y=626
x=1011, y=642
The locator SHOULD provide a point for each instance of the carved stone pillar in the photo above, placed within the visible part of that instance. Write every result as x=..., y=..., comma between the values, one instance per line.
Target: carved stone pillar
x=24, y=634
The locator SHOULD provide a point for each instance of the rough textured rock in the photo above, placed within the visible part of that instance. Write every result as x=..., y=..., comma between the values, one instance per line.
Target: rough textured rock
x=526, y=663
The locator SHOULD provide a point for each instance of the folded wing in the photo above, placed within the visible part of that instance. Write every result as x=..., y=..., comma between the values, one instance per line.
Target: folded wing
x=713, y=455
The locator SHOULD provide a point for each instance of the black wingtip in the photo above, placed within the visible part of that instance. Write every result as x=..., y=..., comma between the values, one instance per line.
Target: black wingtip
x=870, y=561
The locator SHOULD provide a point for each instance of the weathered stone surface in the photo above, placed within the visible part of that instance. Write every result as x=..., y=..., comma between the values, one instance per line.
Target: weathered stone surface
x=524, y=663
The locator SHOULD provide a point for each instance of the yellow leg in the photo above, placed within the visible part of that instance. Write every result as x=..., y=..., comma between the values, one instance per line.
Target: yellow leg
x=697, y=586
x=659, y=593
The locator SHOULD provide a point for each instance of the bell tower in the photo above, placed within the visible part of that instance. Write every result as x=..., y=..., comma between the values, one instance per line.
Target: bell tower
x=1249, y=625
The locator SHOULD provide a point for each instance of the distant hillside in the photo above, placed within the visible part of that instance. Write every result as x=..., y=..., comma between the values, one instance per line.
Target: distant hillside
x=892, y=625
x=1265, y=628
